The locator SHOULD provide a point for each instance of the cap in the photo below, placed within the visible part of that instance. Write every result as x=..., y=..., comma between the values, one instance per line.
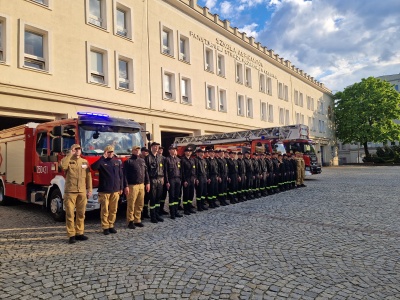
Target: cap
x=232, y=152
x=267, y=153
x=172, y=147
x=154, y=144
x=75, y=146
x=284, y=154
x=217, y=151
x=135, y=147
x=199, y=150
x=239, y=153
x=109, y=148
x=144, y=149
x=211, y=150
x=255, y=153
x=247, y=152
x=187, y=149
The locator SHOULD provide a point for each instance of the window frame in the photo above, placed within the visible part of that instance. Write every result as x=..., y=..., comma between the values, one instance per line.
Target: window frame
x=106, y=63
x=47, y=47
x=301, y=99
x=240, y=99
x=188, y=89
x=131, y=73
x=5, y=39
x=248, y=75
x=239, y=76
x=213, y=102
x=269, y=85
x=281, y=116
x=296, y=97
x=103, y=15
x=262, y=83
x=118, y=5
x=46, y=3
x=249, y=108
x=270, y=113
x=219, y=72
x=263, y=112
x=186, y=39
x=287, y=117
x=209, y=66
x=225, y=102
x=172, y=85
x=171, y=45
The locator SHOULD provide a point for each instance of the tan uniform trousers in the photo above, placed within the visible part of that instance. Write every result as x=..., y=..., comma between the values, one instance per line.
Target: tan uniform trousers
x=72, y=202
x=135, y=202
x=108, y=211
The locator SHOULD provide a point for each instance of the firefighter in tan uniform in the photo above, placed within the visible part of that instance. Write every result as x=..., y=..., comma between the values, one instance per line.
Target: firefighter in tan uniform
x=301, y=169
x=78, y=187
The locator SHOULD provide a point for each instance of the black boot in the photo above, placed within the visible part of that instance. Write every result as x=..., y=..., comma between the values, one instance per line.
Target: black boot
x=153, y=215
x=215, y=203
x=177, y=214
x=203, y=205
x=145, y=212
x=158, y=216
x=172, y=212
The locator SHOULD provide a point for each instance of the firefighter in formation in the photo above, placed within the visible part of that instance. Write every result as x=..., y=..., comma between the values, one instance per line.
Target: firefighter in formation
x=212, y=177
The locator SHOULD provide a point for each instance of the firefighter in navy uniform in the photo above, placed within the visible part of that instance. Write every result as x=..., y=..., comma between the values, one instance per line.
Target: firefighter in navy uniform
x=282, y=173
x=277, y=172
x=165, y=189
x=155, y=168
x=201, y=180
x=213, y=172
x=223, y=178
x=270, y=174
x=145, y=212
x=188, y=181
x=263, y=179
x=249, y=176
x=241, y=178
x=173, y=175
x=288, y=167
x=294, y=166
x=232, y=177
x=256, y=174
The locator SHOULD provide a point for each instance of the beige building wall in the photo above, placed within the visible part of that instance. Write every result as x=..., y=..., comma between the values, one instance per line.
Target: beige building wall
x=65, y=87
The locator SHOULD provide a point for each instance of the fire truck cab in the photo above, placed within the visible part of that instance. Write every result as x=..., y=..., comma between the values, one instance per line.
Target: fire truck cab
x=30, y=156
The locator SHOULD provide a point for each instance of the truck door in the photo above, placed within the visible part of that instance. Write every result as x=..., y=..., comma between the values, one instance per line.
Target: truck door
x=42, y=164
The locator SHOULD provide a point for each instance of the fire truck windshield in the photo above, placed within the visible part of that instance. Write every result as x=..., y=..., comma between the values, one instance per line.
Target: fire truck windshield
x=304, y=147
x=93, y=142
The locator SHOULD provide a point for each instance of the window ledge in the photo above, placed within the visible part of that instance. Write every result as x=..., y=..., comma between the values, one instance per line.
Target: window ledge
x=223, y=111
x=126, y=90
x=129, y=39
x=187, y=103
x=222, y=76
x=185, y=61
x=209, y=71
x=212, y=109
x=39, y=4
x=168, y=55
x=36, y=70
x=170, y=99
x=99, y=84
x=4, y=63
x=98, y=27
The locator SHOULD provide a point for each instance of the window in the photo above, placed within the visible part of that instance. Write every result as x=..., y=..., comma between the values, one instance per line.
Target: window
x=269, y=86
x=97, y=67
x=301, y=119
x=168, y=85
x=263, y=111
x=321, y=126
x=321, y=106
x=122, y=20
x=240, y=105
x=312, y=103
x=297, y=118
x=221, y=65
x=167, y=43
x=287, y=119
x=222, y=100
x=208, y=59
x=2, y=39
x=296, y=97
x=42, y=2
x=301, y=100
x=310, y=123
x=184, y=53
x=262, y=83
x=270, y=113
x=286, y=93
x=124, y=73
x=186, y=95
x=239, y=73
x=308, y=102
x=280, y=90
x=281, y=116
x=96, y=13
x=314, y=128
x=34, y=47
x=248, y=77
x=249, y=106
x=210, y=97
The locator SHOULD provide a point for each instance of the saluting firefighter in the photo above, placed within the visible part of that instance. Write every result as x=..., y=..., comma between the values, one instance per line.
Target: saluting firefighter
x=223, y=178
x=201, y=180
x=173, y=175
x=213, y=172
x=78, y=187
x=155, y=167
x=111, y=185
x=137, y=182
x=188, y=181
x=301, y=169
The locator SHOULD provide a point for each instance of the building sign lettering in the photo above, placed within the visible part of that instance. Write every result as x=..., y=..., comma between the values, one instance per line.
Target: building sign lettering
x=233, y=52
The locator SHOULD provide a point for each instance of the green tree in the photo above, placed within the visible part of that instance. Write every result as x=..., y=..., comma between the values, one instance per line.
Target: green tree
x=366, y=112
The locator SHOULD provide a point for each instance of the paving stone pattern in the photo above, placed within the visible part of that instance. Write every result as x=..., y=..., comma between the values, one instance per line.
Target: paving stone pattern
x=339, y=238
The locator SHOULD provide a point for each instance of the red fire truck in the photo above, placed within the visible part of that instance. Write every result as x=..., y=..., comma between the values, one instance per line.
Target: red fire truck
x=30, y=156
x=283, y=139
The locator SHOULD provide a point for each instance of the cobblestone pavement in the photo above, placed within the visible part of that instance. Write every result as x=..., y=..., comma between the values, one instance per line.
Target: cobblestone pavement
x=339, y=238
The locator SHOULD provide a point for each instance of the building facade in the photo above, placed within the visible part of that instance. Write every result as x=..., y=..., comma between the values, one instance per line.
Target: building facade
x=170, y=65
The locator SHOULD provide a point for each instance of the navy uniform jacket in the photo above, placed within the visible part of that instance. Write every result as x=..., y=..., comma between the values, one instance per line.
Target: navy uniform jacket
x=111, y=177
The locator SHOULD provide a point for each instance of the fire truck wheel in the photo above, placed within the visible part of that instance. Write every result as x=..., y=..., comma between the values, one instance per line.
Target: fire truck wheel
x=56, y=206
x=3, y=199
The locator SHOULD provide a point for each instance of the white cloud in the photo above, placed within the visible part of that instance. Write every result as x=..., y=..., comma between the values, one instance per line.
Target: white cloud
x=250, y=30
x=211, y=3
x=226, y=9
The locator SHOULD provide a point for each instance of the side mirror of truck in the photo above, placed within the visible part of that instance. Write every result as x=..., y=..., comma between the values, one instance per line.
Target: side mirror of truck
x=148, y=136
x=57, y=131
x=57, y=144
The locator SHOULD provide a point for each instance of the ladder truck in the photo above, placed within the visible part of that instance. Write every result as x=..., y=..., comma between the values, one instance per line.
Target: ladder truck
x=30, y=156
x=284, y=139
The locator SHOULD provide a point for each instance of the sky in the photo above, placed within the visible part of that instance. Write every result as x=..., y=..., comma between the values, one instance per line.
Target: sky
x=338, y=42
